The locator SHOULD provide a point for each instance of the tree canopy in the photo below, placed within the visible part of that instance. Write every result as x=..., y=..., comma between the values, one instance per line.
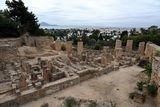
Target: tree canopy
x=20, y=14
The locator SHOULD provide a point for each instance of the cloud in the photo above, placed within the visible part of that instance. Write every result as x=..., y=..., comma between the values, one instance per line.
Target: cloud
x=96, y=12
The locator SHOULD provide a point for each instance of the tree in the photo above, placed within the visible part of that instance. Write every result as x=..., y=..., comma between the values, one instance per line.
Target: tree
x=94, y=35
x=8, y=28
x=20, y=14
x=92, y=42
x=98, y=47
x=100, y=37
x=153, y=30
x=124, y=34
x=133, y=31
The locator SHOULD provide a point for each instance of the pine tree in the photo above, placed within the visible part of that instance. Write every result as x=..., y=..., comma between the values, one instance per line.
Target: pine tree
x=19, y=13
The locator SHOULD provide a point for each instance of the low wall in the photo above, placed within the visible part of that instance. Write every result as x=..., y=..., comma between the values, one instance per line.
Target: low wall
x=151, y=50
x=156, y=77
x=50, y=88
x=8, y=53
x=91, y=73
x=34, y=94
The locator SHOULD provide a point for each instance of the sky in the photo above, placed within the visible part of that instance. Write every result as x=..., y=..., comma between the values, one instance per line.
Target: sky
x=111, y=13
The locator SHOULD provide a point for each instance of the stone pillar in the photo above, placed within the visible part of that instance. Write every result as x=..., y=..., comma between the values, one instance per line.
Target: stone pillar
x=103, y=60
x=69, y=47
x=58, y=45
x=109, y=58
x=46, y=73
x=80, y=48
x=151, y=50
x=118, y=44
x=118, y=52
x=129, y=45
x=141, y=48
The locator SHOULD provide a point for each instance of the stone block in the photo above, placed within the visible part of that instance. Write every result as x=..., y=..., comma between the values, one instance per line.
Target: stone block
x=118, y=44
x=129, y=45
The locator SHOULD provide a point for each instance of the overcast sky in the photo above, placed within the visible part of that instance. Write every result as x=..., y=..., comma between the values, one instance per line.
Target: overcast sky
x=114, y=13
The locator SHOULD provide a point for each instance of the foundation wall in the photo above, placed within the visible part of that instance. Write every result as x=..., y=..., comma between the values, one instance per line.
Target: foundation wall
x=8, y=53
x=34, y=94
x=50, y=88
x=151, y=50
x=156, y=77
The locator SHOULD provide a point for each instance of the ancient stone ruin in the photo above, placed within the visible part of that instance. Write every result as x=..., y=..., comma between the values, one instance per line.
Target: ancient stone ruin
x=29, y=66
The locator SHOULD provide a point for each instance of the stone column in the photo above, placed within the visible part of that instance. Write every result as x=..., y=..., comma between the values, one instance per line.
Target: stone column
x=80, y=48
x=149, y=50
x=69, y=47
x=141, y=48
x=129, y=45
x=58, y=45
x=118, y=44
x=103, y=60
x=118, y=52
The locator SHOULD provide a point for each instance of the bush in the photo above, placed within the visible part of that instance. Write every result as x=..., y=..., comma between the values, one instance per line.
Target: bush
x=63, y=48
x=131, y=95
x=91, y=42
x=148, y=70
x=143, y=63
x=152, y=90
x=140, y=85
x=98, y=47
x=70, y=102
x=93, y=104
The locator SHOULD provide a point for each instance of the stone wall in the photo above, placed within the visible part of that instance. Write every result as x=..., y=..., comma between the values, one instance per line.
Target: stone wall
x=34, y=94
x=156, y=77
x=8, y=53
x=43, y=42
x=151, y=50
x=15, y=42
x=52, y=87
x=40, y=41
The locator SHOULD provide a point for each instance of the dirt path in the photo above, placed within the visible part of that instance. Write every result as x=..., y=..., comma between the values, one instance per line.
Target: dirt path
x=114, y=86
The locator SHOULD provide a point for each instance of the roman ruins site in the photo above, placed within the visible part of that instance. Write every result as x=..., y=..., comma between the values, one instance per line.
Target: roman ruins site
x=31, y=66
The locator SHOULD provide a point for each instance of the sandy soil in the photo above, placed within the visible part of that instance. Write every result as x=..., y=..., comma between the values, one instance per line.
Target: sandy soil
x=114, y=86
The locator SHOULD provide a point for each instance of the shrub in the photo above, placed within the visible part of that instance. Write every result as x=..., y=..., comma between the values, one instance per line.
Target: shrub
x=98, y=47
x=131, y=95
x=143, y=63
x=70, y=102
x=148, y=70
x=93, y=104
x=152, y=90
x=63, y=48
x=140, y=85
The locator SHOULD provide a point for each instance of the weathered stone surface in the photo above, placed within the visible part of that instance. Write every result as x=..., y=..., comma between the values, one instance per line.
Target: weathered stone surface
x=151, y=50
x=155, y=78
x=118, y=44
x=69, y=47
x=58, y=45
x=129, y=45
x=141, y=48
x=80, y=48
x=118, y=52
x=8, y=53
